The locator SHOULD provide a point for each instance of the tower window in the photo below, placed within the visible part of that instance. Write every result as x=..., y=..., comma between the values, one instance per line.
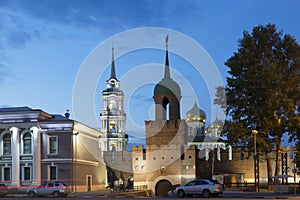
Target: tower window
x=112, y=127
x=242, y=155
x=144, y=154
x=182, y=152
x=166, y=109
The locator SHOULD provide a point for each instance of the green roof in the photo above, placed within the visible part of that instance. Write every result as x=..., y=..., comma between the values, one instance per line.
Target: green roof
x=167, y=86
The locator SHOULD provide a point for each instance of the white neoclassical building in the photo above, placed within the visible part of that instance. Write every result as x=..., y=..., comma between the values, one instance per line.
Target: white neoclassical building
x=36, y=146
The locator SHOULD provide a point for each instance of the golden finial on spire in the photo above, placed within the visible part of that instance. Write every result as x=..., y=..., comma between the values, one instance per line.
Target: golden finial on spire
x=167, y=39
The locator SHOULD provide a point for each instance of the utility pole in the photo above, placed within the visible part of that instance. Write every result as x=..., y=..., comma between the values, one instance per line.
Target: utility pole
x=256, y=162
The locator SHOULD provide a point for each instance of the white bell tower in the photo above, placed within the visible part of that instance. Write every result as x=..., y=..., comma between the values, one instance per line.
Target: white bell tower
x=113, y=117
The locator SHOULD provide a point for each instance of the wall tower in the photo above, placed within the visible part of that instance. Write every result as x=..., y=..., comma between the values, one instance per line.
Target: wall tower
x=167, y=127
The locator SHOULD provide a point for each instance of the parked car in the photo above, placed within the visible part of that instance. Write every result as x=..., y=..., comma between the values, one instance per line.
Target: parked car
x=3, y=190
x=56, y=189
x=206, y=188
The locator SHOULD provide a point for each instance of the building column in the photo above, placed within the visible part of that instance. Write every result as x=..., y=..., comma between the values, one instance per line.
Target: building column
x=15, y=154
x=36, y=156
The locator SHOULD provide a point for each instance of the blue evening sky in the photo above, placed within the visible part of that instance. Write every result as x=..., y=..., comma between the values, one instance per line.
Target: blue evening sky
x=44, y=42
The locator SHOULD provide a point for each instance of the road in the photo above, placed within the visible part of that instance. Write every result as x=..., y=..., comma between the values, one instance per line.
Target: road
x=226, y=195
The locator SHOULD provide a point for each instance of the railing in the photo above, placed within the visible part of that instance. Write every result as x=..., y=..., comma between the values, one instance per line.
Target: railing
x=250, y=186
x=126, y=189
x=246, y=186
x=140, y=187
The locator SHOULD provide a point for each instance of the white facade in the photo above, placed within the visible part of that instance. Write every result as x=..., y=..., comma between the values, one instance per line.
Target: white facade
x=36, y=147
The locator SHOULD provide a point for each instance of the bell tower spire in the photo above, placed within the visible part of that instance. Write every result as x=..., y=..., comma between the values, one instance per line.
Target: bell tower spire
x=113, y=82
x=113, y=70
x=167, y=68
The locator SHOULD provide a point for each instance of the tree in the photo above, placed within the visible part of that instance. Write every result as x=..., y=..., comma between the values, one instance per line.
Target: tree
x=297, y=158
x=263, y=90
x=221, y=98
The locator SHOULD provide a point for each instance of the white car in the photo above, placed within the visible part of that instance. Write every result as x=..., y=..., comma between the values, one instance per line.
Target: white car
x=56, y=189
x=206, y=188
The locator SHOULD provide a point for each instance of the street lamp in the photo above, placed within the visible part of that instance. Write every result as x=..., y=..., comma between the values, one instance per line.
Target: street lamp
x=256, y=162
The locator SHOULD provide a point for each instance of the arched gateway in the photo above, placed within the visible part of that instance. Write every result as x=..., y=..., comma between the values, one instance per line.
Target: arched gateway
x=162, y=187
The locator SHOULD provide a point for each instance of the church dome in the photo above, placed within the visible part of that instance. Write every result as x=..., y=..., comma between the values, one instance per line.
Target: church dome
x=167, y=86
x=195, y=115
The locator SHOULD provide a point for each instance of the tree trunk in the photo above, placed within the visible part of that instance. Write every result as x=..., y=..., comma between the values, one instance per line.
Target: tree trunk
x=277, y=161
x=269, y=170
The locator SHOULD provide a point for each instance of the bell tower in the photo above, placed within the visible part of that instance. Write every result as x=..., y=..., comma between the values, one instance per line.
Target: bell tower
x=113, y=117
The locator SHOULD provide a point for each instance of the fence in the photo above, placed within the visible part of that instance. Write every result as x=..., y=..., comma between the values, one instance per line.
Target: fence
x=248, y=186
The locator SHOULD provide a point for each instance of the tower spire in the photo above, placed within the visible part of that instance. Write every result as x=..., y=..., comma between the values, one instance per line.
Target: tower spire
x=113, y=70
x=167, y=69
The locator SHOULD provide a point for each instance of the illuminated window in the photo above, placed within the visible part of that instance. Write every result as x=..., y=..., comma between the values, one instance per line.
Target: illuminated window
x=7, y=144
x=52, y=144
x=112, y=127
x=112, y=105
x=27, y=142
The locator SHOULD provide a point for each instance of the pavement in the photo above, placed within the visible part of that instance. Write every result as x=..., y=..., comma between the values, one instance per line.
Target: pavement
x=258, y=195
x=226, y=194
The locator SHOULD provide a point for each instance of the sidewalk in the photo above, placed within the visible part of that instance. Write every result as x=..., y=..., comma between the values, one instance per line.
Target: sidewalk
x=258, y=195
x=108, y=193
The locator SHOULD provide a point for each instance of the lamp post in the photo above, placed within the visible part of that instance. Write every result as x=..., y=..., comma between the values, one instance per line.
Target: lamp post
x=256, y=162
